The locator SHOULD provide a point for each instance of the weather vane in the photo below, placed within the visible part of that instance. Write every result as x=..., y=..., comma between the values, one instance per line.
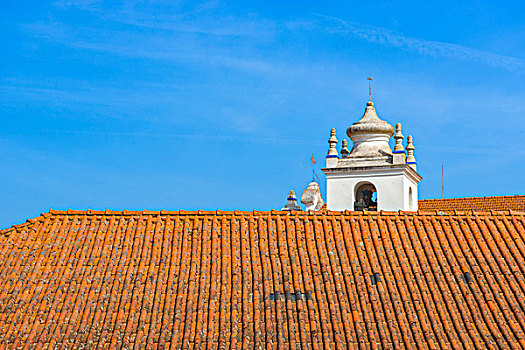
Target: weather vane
x=370, y=86
x=313, y=168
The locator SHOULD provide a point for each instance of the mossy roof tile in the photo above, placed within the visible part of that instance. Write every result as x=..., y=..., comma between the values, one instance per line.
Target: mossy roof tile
x=214, y=279
x=480, y=204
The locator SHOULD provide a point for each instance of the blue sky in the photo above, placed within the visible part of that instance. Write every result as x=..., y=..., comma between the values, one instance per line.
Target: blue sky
x=220, y=104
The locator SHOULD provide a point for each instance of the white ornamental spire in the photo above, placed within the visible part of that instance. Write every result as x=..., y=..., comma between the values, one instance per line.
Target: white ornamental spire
x=332, y=157
x=399, y=139
x=411, y=160
x=344, y=151
x=332, y=141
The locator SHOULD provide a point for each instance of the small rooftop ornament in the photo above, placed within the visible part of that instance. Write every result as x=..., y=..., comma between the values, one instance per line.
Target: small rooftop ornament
x=411, y=160
x=292, y=202
x=332, y=141
x=332, y=158
x=312, y=197
x=399, y=151
x=344, y=151
x=399, y=139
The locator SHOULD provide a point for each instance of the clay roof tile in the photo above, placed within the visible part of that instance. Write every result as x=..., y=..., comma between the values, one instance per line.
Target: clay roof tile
x=247, y=279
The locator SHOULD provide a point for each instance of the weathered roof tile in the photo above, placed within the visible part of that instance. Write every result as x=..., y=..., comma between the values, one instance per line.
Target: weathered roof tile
x=245, y=279
x=479, y=204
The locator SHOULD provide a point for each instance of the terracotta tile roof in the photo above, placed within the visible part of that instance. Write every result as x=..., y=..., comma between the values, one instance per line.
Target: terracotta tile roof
x=474, y=203
x=216, y=280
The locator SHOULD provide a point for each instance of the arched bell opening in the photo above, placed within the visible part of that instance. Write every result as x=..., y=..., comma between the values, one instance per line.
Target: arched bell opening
x=365, y=197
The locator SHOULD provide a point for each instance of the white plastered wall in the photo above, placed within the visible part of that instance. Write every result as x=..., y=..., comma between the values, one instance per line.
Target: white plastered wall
x=392, y=186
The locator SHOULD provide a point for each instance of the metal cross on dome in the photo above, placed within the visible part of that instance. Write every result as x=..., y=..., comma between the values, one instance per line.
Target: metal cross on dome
x=370, y=86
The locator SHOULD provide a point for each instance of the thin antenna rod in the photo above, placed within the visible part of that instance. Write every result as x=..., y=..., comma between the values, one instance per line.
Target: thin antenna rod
x=442, y=182
x=370, y=86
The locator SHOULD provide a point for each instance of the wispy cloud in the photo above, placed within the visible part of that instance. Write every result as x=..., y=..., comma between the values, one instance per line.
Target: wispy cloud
x=83, y=4
x=386, y=37
x=175, y=43
x=506, y=149
x=205, y=38
x=196, y=34
x=64, y=93
x=193, y=137
x=201, y=18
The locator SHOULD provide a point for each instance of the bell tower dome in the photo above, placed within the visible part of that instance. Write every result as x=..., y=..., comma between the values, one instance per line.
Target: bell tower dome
x=371, y=176
x=370, y=134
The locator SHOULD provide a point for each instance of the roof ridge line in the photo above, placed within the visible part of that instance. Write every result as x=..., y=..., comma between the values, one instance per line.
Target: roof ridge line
x=272, y=212
x=474, y=197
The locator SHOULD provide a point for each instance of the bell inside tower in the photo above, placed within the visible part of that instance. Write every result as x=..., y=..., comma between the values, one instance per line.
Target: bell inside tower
x=366, y=197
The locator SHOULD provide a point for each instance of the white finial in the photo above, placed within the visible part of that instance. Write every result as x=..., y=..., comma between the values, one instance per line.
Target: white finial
x=411, y=160
x=344, y=151
x=332, y=151
x=399, y=139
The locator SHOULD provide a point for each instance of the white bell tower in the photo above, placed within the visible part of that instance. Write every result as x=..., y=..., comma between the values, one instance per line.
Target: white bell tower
x=371, y=176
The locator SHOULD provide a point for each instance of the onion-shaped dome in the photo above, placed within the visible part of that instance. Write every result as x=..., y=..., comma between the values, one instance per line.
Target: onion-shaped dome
x=370, y=135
